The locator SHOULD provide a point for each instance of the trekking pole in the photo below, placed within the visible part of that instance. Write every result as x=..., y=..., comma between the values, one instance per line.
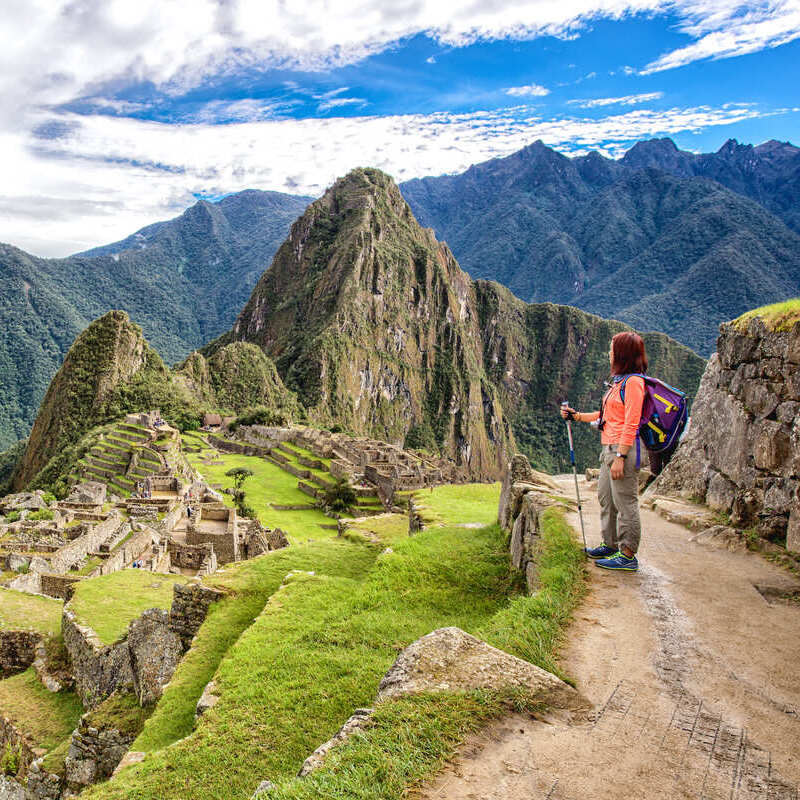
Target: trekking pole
x=575, y=473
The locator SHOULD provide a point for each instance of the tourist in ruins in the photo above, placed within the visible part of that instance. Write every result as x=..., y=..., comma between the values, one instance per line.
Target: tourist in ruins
x=618, y=485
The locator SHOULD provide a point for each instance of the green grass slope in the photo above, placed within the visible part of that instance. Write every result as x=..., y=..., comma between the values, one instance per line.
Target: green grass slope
x=290, y=675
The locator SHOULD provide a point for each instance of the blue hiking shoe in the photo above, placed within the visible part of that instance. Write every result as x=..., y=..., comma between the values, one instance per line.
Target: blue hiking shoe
x=604, y=551
x=618, y=561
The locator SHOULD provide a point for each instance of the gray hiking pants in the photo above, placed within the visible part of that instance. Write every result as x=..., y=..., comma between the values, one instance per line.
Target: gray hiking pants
x=619, y=501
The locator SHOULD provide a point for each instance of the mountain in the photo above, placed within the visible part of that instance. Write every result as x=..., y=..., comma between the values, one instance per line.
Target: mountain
x=183, y=280
x=111, y=370
x=768, y=173
x=643, y=239
x=374, y=325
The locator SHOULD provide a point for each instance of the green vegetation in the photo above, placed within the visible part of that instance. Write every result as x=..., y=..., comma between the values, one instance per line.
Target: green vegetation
x=460, y=504
x=318, y=650
x=20, y=610
x=108, y=603
x=8, y=463
x=46, y=717
x=622, y=241
x=777, y=317
x=184, y=288
x=13, y=516
x=41, y=514
x=340, y=497
x=269, y=484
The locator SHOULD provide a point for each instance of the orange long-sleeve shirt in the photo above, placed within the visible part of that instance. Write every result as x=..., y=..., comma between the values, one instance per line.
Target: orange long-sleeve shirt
x=621, y=419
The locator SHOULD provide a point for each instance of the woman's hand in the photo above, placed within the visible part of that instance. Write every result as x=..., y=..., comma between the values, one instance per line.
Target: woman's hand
x=617, y=468
x=567, y=412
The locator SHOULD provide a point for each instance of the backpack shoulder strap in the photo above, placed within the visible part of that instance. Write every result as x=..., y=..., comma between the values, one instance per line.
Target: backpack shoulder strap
x=625, y=380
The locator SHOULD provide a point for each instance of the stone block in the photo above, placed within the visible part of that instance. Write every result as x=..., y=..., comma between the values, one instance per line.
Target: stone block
x=758, y=399
x=155, y=652
x=787, y=412
x=450, y=660
x=721, y=493
x=793, y=528
x=734, y=348
x=779, y=494
x=793, y=344
x=771, y=447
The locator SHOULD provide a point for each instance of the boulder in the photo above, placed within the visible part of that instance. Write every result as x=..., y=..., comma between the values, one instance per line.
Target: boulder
x=720, y=537
x=721, y=492
x=15, y=562
x=450, y=660
x=11, y=790
x=262, y=790
x=39, y=564
x=155, y=651
x=793, y=528
x=771, y=448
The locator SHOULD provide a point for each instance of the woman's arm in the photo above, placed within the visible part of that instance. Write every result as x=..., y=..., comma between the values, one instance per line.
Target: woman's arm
x=579, y=416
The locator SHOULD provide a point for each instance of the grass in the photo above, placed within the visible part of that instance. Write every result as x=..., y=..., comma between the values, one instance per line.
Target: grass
x=320, y=646
x=108, y=603
x=47, y=717
x=777, y=317
x=250, y=583
x=22, y=610
x=269, y=484
x=459, y=504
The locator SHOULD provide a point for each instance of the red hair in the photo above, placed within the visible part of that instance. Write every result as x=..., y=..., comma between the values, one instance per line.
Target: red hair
x=627, y=354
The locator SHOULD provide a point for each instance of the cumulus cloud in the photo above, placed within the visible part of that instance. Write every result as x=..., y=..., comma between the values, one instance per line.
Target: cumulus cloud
x=154, y=170
x=626, y=100
x=531, y=90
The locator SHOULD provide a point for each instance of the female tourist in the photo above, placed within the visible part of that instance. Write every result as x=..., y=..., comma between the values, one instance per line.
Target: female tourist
x=618, y=485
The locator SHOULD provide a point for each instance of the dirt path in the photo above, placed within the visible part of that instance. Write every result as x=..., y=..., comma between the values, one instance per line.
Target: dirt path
x=694, y=674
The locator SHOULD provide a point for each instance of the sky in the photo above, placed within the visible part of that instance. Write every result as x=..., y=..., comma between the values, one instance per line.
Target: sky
x=118, y=113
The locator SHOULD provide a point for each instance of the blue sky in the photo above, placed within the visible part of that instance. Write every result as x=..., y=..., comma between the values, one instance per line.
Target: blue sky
x=118, y=113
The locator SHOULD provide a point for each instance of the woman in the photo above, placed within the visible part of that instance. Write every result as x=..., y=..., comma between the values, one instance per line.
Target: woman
x=618, y=486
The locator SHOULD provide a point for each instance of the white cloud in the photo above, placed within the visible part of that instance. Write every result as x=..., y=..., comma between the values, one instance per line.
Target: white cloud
x=430, y=60
x=108, y=176
x=626, y=100
x=52, y=51
x=338, y=102
x=531, y=90
x=726, y=28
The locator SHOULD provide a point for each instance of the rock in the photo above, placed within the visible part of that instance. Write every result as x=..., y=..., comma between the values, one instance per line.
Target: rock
x=15, y=562
x=208, y=699
x=38, y=564
x=11, y=790
x=735, y=348
x=448, y=659
x=772, y=445
x=358, y=721
x=155, y=650
x=772, y=528
x=778, y=495
x=793, y=527
x=793, y=345
x=592, y=474
x=720, y=537
x=746, y=506
x=758, y=399
x=645, y=477
x=787, y=412
x=92, y=492
x=721, y=492
x=131, y=757
x=690, y=516
x=262, y=790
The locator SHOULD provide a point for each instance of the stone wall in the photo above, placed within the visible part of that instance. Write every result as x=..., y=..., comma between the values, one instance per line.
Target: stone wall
x=10, y=735
x=741, y=454
x=189, y=556
x=58, y=585
x=75, y=551
x=98, y=669
x=93, y=754
x=146, y=657
x=17, y=650
x=523, y=497
x=139, y=546
x=190, y=604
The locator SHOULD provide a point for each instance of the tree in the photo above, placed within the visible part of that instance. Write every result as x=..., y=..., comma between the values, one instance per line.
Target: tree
x=340, y=496
x=239, y=475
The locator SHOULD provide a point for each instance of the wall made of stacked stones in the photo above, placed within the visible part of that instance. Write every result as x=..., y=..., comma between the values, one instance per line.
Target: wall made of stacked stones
x=742, y=453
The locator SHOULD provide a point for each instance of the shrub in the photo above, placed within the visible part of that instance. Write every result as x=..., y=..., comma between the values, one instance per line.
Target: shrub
x=340, y=496
x=246, y=511
x=12, y=516
x=49, y=497
x=261, y=415
x=43, y=513
x=11, y=760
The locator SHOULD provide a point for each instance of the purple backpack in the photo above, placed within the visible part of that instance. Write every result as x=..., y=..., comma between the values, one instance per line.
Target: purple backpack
x=664, y=413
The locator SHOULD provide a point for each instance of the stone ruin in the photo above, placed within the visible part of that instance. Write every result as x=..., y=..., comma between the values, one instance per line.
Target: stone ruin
x=369, y=463
x=741, y=454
